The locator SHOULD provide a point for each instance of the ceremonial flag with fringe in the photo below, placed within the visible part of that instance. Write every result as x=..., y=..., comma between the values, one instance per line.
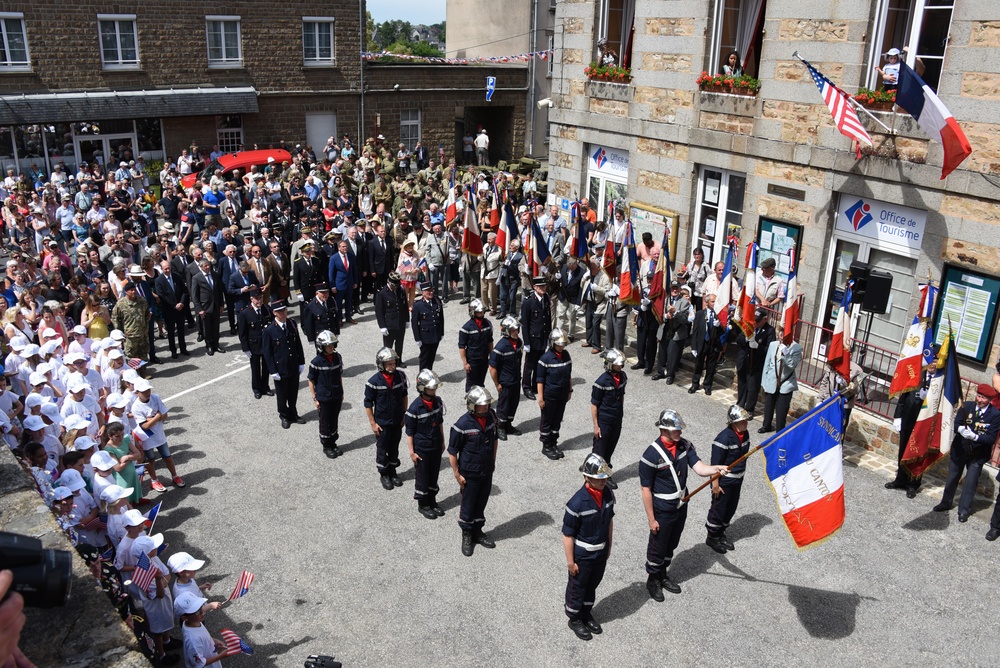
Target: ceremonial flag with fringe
x=917, y=349
x=629, y=291
x=840, y=347
x=748, y=297
x=932, y=434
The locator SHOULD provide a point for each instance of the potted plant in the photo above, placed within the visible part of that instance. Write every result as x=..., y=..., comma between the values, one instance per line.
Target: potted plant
x=876, y=100
x=609, y=73
x=724, y=83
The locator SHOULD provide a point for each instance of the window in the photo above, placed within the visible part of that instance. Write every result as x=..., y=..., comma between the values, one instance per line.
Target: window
x=616, y=26
x=317, y=41
x=225, y=48
x=739, y=27
x=15, y=43
x=719, y=211
x=119, y=46
x=921, y=25
x=230, y=133
x=409, y=128
x=549, y=57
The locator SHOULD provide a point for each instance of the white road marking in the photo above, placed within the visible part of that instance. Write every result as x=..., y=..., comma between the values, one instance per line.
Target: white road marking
x=207, y=383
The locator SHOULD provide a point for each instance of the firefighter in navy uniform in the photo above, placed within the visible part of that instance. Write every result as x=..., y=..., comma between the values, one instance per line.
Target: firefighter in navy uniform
x=425, y=440
x=320, y=314
x=326, y=382
x=282, y=351
x=536, y=323
x=391, y=313
x=505, y=370
x=555, y=387
x=472, y=451
x=663, y=472
x=475, y=343
x=607, y=407
x=427, y=320
x=385, y=403
x=732, y=443
x=588, y=524
x=250, y=324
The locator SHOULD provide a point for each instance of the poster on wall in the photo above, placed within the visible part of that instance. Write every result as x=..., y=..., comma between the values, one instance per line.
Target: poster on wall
x=646, y=218
x=968, y=302
x=775, y=239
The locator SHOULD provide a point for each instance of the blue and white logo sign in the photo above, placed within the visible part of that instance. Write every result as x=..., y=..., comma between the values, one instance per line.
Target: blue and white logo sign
x=606, y=160
x=885, y=222
x=491, y=86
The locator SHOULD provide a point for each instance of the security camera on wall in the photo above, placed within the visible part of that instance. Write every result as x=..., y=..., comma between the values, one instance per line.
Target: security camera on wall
x=547, y=102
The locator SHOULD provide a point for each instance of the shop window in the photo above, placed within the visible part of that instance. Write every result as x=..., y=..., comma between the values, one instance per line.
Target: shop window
x=923, y=26
x=616, y=25
x=119, y=44
x=225, y=45
x=14, y=57
x=409, y=128
x=230, y=133
x=317, y=41
x=719, y=210
x=739, y=27
x=150, y=136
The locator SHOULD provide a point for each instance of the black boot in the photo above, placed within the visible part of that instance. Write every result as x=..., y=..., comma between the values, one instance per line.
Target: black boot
x=467, y=545
x=484, y=540
x=669, y=584
x=501, y=434
x=580, y=629
x=511, y=429
x=716, y=544
x=654, y=588
x=549, y=451
x=386, y=482
x=726, y=543
x=694, y=388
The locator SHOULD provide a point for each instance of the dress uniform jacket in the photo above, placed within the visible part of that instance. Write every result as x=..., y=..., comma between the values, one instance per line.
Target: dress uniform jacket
x=555, y=373
x=476, y=338
x=727, y=448
x=391, y=310
x=666, y=475
x=306, y=273
x=749, y=359
x=589, y=525
x=986, y=427
x=712, y=344
x=388, y=402
x=250, y=328
x=536, y=321
x=318, y=316
x=282, y=349
x=506, y=359
x=474, y=445
x=427, y=320
x=609, y=397
x=424, y=424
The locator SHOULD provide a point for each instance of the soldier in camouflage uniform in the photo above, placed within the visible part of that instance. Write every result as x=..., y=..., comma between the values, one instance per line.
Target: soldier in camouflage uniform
x=131, y=316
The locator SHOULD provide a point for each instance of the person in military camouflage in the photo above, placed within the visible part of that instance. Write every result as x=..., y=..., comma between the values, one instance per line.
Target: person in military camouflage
x=131, y=316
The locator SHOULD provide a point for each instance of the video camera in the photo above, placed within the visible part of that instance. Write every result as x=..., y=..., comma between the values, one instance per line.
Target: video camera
x=41, y=576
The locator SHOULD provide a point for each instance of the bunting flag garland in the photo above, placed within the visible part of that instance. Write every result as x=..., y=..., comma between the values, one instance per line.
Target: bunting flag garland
x=518, y=58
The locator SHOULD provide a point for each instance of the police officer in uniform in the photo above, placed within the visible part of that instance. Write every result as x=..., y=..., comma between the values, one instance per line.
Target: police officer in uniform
x=425, y=440
x=282, y=350
x=472, y=450
x=320, y=314
x=391, y=313
x=588, y=524
x=750, y=357
x=536, y=321
x=607, y=407
x=663, y=471
x=385, y=403
x=327, y=385
x=250, y=324
x=427, y=321
x=732, y=443
x=306, y=272
x=475, y=344
x=505, y=370
x=555, y=387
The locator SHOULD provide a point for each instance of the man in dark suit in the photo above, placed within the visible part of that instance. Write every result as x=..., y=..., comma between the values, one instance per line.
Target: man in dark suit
x=250, y=325
x=707, y=345
x=282, y=351
x=674, y=332
x=750, y=357
x=206, y=293
x=380, y=257
x=427, y=320
x=343, y=271
x=306, y=273
x=536, y=325
x=976, y=426
x=261, y=269
x=179, y=263
x=422, y=156
x=391, y=313
x=229, y=265
x=239, y=286
x=365, y=237
x=320, y=313
x=280, y=271
x=173, y=297
x=356, y=247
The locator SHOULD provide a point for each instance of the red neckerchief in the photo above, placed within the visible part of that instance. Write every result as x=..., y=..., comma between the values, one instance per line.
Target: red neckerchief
x=428, y=402
x=479, y=323
x=617, y=377
x=742, y=436
x=389, y=377
x=329, y=358
x=481, y=421
x=513, y=343
x=558, y=354
x=670, y=446
x=596, y=494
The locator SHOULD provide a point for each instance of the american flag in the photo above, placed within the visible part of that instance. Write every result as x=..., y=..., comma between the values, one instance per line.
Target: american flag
x=234, y=644
x=135, y=363
x=242, y=585
x=837, y=101
x=96, y=524
x=145, y=572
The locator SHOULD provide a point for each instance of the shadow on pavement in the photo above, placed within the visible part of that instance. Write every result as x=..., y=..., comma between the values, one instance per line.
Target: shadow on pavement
x=357, y=368
x=627, y=473
x=453, y=377
x=825, y=614
x=621, y=604
x=521, y=525
x=358, y=443
x=529, y=426
x=929, y=521
x=748, y=526
x=173, y=370
x=578, y=442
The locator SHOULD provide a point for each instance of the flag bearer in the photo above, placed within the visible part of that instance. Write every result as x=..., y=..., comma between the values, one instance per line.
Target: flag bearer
x=472, y=451
x=732, y=443
x=607, y=407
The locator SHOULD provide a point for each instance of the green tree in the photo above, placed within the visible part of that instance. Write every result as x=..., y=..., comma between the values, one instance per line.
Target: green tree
x=370, y=44
x=390, y=32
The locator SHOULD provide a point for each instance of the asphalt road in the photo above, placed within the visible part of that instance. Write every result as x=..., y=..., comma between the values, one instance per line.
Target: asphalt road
x=346, y=568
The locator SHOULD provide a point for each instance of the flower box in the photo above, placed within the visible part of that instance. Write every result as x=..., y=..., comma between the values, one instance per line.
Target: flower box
x=721, y=83
x=875, y=100
x=608, y=73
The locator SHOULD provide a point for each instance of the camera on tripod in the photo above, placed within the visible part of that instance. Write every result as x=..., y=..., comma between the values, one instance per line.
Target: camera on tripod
x=41, y=576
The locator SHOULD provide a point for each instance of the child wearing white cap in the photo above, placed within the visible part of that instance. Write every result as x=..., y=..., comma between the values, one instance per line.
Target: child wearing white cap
x=36, y=433
x=53, y=421
x=157, y=602
x=79, y=367
x=184, y=567
x=114, y=500
x=32, y=359
x=12, y=363
x=85, y=508
x=149, y=413
x=103, y=465
x=79, y=342
x=10, y=405
x=200, y=648
x=135, y=526
x=79, y=402
x=111, y=375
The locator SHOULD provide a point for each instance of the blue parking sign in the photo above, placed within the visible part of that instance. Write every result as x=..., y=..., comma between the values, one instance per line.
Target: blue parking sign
x=491, y=86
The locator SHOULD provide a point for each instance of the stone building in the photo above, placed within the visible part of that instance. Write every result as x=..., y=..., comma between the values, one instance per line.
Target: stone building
x=772, y=166
x=116, y=79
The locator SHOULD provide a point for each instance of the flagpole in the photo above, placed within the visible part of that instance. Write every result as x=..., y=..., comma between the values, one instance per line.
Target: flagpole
x=854, y=104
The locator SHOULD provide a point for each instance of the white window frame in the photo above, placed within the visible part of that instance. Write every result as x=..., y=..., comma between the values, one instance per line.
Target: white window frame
x=119, y=63
x=409, y=123
x=318, y=24
x=229, y=139
x=550, y=59
x=224, y=62
x=721, y=209
x=912, y=37
x=5, y=64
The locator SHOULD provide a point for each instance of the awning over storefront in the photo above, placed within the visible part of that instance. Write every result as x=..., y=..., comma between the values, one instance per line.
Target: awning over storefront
x=80, y=106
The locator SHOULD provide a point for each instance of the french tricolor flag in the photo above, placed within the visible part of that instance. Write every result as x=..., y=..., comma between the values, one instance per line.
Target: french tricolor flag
x=916, y=351
x=724, y=293
x=805, y=466
x=748, y=297
x=507, y=229
x=917, y=98
x=790, y=314
x=840, y=347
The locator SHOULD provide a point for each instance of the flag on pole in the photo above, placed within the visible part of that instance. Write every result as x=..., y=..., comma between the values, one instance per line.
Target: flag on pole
x=659, y=288
x=609, y=261
x=839, y=356
x=805, y=466
x=495, y=206
x=629, y=290
x=839, y=104
x=578, y=244
x=748, y=296
x=506, y=229
x=451, y=208
x=234, y=644
x=145, y=572
x=540, y=255
x=724, y=293
x=934, y=430
x=242, y=585
x=916, y=351
x=151, y=517
x=919, y=101
x=472, y=240
x=790, y=314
